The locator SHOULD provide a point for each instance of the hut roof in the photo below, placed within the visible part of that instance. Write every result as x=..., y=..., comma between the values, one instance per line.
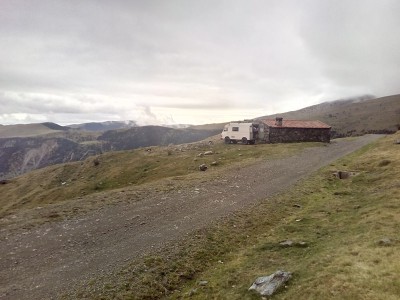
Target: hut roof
x=297, y=124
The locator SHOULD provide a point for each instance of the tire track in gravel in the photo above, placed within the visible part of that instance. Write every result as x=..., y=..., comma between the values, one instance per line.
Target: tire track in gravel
x=46, y=261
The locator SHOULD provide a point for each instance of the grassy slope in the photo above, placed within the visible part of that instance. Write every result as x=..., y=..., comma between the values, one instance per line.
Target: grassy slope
x=24, y=130
x=342, y=222
x=128, y=169
x=345, y=116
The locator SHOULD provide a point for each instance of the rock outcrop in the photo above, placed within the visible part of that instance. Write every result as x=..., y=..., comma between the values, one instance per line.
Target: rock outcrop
x=268, y=285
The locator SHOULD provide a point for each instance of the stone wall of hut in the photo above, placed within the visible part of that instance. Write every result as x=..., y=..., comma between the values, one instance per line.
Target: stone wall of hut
x=291, y=135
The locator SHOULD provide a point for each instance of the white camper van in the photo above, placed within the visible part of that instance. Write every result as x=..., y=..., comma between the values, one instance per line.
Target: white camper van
x=245, y=132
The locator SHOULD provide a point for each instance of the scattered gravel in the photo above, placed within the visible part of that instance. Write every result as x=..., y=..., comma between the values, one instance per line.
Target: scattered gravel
x=45, y=261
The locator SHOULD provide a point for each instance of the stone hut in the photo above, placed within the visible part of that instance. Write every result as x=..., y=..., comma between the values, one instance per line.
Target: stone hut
x=286, y=131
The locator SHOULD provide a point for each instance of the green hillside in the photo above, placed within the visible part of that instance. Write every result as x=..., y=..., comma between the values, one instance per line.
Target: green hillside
x=29, y=130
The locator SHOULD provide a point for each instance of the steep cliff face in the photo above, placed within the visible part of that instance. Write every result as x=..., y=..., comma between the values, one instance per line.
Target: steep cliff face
x=34, y=157
x=21, y=155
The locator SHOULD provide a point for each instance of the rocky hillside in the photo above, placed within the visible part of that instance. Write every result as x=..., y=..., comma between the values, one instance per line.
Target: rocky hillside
x=19, y=155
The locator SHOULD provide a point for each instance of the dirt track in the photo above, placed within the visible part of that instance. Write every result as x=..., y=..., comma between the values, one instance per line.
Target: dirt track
x=43, y=262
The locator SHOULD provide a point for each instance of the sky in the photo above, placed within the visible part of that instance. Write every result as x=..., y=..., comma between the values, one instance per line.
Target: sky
x=190, y=61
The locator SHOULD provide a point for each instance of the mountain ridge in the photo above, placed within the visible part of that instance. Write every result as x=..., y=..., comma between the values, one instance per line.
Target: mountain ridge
x=104, y=126
x=26, y=147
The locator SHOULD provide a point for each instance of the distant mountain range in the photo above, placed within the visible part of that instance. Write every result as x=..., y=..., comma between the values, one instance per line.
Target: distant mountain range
x=113, y=125
x=104, y=126
x=30, y=146
x=29, y=130
x=27, y=147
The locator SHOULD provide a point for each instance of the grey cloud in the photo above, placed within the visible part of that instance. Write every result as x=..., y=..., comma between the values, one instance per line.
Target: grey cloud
x=43, y=104
x=356, y=43
x=123, y=56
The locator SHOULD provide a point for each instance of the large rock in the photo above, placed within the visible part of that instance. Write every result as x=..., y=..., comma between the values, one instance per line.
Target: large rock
x=268, y=285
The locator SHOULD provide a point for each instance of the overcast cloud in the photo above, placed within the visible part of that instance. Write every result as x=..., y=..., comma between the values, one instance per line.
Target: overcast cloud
x=159, y=62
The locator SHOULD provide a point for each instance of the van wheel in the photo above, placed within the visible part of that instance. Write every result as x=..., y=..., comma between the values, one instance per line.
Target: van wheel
x=227, y=140
x=244, y=141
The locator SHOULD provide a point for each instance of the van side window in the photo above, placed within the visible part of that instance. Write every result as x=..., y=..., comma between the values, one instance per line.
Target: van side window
x=235, y=128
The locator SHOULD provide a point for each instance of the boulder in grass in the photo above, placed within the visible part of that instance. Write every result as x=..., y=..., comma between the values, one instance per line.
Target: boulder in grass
x=203, y=167
x=268, y=285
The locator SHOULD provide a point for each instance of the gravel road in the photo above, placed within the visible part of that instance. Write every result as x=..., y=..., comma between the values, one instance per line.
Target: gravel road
x=45, y=261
